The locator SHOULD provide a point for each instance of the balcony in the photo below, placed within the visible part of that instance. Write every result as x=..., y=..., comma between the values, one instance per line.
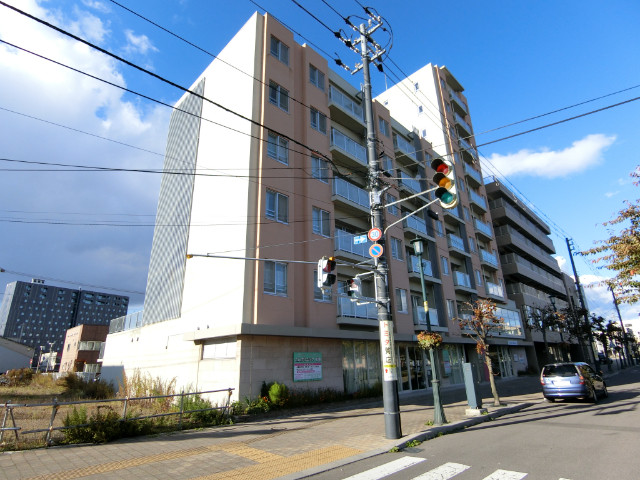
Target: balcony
x=350, y=313
x=354, y=195
x=494, y=290
x=420, y=317
x=469, y=153
x=463, y=127
x=507, y=236
x=489, y=258
x=346, y=149
x=462, y=280
x=517, y=268
x=417, y=226
x=405, y=148
x=483, y=228
x=345, y=111
x=458, y=103
x=456, y=244
x=473, y=175
x=413, y=265
x=478, y=200
x=344, y=243
x=409, y=183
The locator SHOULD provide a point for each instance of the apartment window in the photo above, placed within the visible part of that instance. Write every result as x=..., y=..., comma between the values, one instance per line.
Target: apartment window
x=451, y=308
x=277, y=207
x=472, y=244
x=384, y=127
x=321, y=222
x=279, y=96
x=396, y=249
x=416, y=86
x=392, y=209
x=439, y=229
x=320, y=294
x=461, y=184
x=401, y=301
x=419, y=108
x=478, y=277
x=318, y=121
x=466, y=214
x=275, y=278
x=424, y=133
x=278, y=148
x=387, y=164
x=320, y=169
x=316, y=77
x=279, y=50
x=445, y=265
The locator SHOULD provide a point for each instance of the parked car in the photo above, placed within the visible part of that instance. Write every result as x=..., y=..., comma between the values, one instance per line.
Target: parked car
x=572, y=380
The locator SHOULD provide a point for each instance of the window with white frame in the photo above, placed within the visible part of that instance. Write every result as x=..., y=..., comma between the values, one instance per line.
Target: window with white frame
x=384, y=127
x=279, y=96
x=392, y=209
x=318, y=121
x=451, y=308
x=321, y=222
x=401, y=301
x=279, y=50
x=278, y=148
x=275, y=278
x=316, y=77
x=396, y=249
x=445, y=265
x=320, y=169
x=416, y=86
x=320, y=294
x=277, y=207
x=420, y=108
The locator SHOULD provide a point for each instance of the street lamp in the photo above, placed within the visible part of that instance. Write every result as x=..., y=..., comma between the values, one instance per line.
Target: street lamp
x=438, y=411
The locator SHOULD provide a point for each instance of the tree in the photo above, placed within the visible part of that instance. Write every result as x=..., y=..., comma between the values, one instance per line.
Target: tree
x=577, y=328
x=620, y=253
x=608, y=334
x=543, y=319
x=483, y=323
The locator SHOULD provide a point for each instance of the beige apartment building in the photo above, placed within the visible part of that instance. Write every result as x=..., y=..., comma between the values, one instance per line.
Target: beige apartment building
x=275, y=181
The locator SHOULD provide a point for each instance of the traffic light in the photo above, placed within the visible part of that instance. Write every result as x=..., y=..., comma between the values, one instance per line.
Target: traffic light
x=445, y=179
x=354, y=288
x=326, y=272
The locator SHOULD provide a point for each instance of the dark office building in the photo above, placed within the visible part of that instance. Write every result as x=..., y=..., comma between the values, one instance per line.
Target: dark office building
x=36, y=314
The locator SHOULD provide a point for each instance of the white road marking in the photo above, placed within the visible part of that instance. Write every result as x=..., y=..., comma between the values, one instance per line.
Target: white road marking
x=505, y=475
x=443, y=472
x=387, y=469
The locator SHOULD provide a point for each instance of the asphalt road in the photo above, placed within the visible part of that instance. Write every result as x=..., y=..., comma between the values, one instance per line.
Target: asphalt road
x=570, y=439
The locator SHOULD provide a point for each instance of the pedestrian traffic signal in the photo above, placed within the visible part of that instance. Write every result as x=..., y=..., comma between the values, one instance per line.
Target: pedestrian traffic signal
x=445, y=179
x=326, y=272
x=354, y=288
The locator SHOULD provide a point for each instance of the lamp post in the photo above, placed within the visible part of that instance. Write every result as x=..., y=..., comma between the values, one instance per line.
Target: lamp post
x=438, y=412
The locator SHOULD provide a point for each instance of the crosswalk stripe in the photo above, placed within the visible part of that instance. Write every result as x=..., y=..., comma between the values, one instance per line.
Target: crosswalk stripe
x=505, y=475
x=387, y=469
x=443, y=472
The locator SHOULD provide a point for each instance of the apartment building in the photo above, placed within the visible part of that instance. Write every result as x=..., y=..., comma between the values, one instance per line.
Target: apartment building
x=532, y=276
x=259, y=209
x=38, y=315
x=81, y=348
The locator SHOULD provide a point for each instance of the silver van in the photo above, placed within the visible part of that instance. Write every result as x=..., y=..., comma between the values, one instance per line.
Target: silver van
x=572, y=380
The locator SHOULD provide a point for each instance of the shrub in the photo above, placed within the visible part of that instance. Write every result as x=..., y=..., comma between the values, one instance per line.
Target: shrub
x=19, y=376
x=259, y=405
x=103, y=426
x=76, y=386
x=204, y=417
x=279, y=394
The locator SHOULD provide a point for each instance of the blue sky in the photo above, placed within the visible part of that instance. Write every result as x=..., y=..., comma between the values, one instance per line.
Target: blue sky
x=516, y=60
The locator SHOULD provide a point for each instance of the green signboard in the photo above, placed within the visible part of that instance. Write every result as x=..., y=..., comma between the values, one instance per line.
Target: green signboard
x=307, y=366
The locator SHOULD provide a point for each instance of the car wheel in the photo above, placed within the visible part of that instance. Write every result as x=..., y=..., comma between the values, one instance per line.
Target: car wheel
x=605, y=392
x=593, y=395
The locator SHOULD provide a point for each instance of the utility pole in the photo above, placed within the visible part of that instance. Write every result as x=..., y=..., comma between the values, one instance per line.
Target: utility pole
x=387, y=346
x=587, y=323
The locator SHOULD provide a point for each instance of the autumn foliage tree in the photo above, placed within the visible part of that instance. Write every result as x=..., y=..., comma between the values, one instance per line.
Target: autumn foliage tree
x=620, y=253
x=481, y=325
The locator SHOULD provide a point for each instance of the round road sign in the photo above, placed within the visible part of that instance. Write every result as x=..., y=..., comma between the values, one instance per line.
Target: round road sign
x=375, y=234
x=375, y=250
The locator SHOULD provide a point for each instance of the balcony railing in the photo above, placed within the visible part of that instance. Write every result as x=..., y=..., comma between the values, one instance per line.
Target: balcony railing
x=461, y=279
x=349, y=308
x=351, y=192
x=473, y=173
x=404, y=146
x=460, y=121
x=482, y=227
x=409, y=182
x=489, y=257
x=455, y=242
x=420, y=317
x=120, y=324
x=466, y=146
x=349, y=146
x=414, y=266
x=346, y=103
x=344, y=242
x=458, y=100
x=416, y=223
x=477, y=199
x=494, y=289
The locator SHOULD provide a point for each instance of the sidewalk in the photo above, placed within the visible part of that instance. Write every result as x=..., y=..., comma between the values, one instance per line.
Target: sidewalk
x=288, y=447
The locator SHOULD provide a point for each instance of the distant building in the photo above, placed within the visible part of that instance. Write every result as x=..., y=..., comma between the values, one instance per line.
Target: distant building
x=14, y=355
x=39, y=315
x=82, y=348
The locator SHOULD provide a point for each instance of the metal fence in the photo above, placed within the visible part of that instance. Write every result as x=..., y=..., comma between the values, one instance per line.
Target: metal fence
x=48, y=421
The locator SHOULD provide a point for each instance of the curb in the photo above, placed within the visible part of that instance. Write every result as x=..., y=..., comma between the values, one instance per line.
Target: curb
x=421, y=437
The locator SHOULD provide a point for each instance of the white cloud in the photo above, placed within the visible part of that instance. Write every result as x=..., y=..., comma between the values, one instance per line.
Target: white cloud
x=611, y=194
x=581, y=155
x=96, y=5
x=138, y=43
